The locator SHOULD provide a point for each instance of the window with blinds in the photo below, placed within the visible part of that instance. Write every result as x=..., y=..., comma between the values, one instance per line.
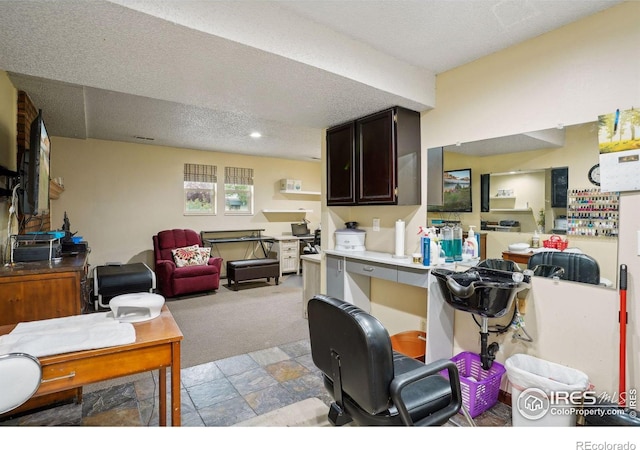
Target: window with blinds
x=238, y=191
x=200, y=181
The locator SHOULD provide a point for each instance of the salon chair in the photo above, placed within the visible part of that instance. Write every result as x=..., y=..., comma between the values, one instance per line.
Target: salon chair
x=577, y=266
x=20, y=376
x=370, y=383
x=500, y=264
x=548, y=271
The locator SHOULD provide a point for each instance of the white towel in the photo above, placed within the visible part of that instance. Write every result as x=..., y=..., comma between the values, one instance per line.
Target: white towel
x=67, y=334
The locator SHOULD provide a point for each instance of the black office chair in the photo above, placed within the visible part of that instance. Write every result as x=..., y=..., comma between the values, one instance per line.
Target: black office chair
x=370, y=383
x=577, y=266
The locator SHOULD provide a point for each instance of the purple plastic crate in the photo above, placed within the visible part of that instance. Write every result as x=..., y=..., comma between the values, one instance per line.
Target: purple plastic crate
x=479, y=387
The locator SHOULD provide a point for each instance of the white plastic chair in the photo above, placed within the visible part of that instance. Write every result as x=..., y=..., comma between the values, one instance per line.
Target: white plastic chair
x=20, y=376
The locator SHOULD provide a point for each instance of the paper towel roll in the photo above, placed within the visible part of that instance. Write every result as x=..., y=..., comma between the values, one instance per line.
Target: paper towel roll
x=399, y=237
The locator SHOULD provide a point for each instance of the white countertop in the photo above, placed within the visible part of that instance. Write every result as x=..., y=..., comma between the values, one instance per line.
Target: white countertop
x=384, y=258
x=313, y=257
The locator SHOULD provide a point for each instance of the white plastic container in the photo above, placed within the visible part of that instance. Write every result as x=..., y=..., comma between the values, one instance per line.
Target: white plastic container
x=350, y=239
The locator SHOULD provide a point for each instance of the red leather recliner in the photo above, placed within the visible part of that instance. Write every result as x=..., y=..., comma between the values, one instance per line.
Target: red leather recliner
x=172, y=280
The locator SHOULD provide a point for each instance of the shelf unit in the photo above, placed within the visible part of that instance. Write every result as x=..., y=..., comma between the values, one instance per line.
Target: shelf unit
x=287, y=211
x=55, y=190
x=591, y=212
x=284, y=191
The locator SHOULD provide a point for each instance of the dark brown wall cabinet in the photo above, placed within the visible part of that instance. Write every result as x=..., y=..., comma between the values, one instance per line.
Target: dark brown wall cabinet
x=375, y=160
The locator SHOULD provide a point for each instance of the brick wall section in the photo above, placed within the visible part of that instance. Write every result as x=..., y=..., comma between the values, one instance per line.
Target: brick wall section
x=27, y=112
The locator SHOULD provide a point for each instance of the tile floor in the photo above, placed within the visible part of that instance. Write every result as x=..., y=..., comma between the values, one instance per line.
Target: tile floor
x=220, y=393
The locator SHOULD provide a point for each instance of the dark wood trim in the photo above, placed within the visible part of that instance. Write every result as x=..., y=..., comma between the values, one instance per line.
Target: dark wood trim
x=504, y=397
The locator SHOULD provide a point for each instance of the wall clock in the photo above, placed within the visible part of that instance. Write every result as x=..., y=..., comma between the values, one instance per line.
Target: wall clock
x=594, y=175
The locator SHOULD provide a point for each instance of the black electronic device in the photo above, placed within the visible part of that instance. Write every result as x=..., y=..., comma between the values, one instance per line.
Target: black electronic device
x=72, y=248
x=43, y=251
x=300, y=229
x=34, y=170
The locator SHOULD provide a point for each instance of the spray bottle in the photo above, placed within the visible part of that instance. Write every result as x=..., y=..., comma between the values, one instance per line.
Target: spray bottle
x=434, y=246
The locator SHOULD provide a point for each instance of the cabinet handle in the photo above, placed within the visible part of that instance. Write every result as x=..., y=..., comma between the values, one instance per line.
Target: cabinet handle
x=63, y=377
x=339, y=266
x=368, y=269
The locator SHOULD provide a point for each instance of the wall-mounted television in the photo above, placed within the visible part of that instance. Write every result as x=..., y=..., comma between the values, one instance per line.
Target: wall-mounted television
x=456, y=192
x=34, y=170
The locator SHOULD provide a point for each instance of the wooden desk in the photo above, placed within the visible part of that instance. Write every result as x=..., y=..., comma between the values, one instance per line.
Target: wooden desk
x=519, y=258
x=157, y=346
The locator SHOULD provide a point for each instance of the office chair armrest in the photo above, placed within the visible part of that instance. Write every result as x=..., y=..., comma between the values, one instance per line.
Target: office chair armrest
x=405, y=379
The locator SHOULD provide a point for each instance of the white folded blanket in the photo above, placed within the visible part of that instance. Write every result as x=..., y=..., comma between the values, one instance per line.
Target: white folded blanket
x=67, y=334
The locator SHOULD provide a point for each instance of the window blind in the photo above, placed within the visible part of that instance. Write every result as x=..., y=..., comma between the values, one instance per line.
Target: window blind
x=238, y=175
x=200, y=173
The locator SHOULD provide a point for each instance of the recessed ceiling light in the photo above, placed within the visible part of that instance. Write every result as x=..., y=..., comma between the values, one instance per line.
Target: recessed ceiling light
x=255, y=135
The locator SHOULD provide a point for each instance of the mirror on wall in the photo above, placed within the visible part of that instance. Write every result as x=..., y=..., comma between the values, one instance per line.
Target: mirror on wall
x=534, y=199
x=522, y=185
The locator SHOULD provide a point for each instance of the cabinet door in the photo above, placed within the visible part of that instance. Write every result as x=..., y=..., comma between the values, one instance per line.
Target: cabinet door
x=559, y=186
x=376, y=155
x=484, y=192
x=335, y=276
x=341, y=160
x=39, y=297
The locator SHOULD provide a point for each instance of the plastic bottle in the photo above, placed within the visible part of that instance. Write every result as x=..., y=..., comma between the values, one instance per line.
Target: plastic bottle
x=470, y=246
x=447, y=243
x=426, y=250
x=457, y=243
x=435, y=248
x=535, y=240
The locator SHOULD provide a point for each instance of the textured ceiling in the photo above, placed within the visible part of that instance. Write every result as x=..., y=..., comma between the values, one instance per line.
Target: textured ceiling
x=205, y=74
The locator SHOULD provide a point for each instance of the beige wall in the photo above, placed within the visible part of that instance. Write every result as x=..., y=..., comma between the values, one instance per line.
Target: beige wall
x=8, y=153
x=118, y=195
x=567, y=76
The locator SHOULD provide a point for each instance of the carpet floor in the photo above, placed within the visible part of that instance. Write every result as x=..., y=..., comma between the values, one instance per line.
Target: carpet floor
x=228, y=323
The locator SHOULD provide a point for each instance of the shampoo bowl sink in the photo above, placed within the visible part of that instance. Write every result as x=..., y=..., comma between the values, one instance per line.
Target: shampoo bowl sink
x=478, y=290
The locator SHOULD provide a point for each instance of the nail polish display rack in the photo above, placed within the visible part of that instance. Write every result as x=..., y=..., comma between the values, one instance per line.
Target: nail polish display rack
x=592, y=213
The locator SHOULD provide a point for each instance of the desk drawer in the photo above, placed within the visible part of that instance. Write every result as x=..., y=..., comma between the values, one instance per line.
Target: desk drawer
x=414, y=277
x=372, y=269
x=288, y=245
x=60, y=375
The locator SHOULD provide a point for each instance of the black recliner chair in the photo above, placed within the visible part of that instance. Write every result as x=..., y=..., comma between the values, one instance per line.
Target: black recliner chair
x=370, y=383
x=577, y=266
